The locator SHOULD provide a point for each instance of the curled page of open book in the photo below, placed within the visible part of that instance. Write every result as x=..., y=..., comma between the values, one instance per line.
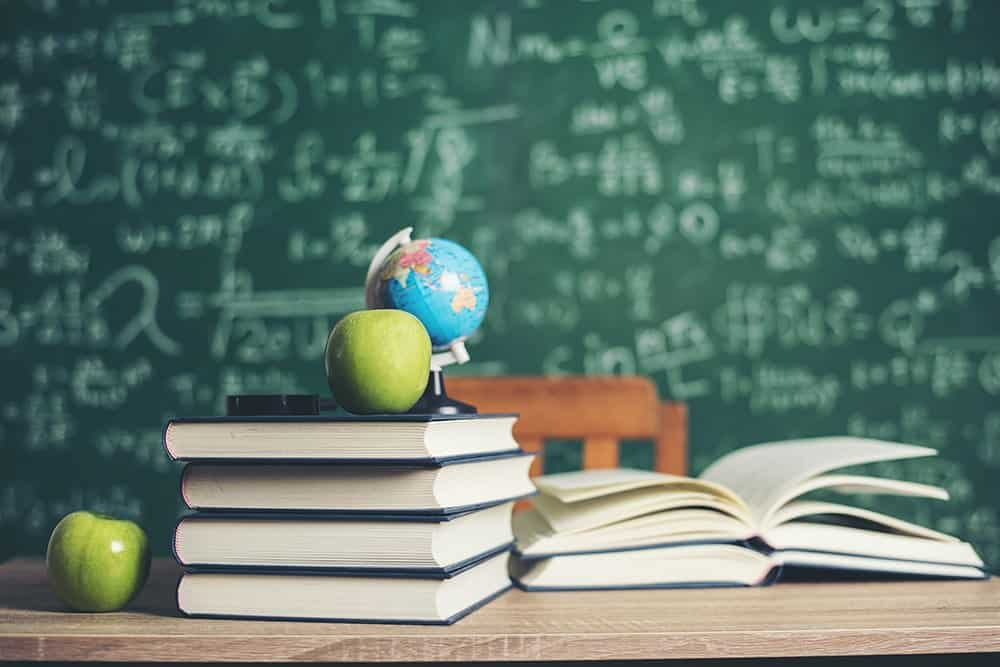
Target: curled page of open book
x=767, y=475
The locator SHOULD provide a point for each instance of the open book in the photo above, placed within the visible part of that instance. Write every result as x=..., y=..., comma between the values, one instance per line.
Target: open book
x=742, y=520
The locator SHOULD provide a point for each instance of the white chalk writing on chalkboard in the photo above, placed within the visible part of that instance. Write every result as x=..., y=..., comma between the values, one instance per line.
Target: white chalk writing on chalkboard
x=779, y=211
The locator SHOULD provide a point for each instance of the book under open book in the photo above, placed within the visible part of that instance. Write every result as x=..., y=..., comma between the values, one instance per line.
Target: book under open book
x=738, y=523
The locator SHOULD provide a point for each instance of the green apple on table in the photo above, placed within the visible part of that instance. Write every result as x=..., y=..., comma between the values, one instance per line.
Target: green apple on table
x=96, y=562
x=377, y=361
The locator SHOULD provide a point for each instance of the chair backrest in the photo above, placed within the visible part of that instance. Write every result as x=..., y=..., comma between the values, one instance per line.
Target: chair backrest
x=599, y=410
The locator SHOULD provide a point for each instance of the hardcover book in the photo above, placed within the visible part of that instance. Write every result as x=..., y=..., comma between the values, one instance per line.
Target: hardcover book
x=400, y=597
x=345, y=438
x=351, y=543
x=446, y=488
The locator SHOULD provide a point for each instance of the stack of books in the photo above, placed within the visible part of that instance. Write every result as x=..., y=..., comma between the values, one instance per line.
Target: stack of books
x=401, y=518
x=749, y=519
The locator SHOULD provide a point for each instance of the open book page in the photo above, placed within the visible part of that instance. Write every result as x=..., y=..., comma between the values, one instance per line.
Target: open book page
x=850, y=484
x=571, y=487
x=815, y=537
x=848, y=562
x=853, y=516
x=768, y=475
x=588, y=499
x=536, y=538
x=692, y=565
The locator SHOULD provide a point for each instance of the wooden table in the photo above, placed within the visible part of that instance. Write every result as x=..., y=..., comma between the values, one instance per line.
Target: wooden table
x=783, y=620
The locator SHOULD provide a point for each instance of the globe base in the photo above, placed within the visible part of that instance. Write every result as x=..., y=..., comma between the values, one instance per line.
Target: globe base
x=435, y=399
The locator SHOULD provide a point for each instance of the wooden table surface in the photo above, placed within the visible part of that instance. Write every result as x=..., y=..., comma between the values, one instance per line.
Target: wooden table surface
x=783, y=620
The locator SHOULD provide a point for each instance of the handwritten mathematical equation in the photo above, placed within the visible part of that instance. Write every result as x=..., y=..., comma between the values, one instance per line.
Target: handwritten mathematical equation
x=779, y=211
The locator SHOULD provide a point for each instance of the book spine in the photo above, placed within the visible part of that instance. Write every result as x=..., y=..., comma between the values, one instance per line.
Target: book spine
x=173, y=542
x=182, y=484
x=165, y=438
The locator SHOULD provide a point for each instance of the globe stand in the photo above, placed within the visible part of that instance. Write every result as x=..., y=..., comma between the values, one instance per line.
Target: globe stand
x=435, y=399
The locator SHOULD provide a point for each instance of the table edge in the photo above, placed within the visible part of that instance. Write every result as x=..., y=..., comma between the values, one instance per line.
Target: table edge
x=485, y=647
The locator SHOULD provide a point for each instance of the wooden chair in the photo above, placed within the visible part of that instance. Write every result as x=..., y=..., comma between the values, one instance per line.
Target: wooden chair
x=600, y=411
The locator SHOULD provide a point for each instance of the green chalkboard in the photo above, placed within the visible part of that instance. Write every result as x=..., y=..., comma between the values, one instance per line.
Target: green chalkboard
x=783, y=212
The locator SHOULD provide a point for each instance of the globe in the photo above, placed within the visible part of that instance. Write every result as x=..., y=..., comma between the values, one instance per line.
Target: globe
x=440, y=283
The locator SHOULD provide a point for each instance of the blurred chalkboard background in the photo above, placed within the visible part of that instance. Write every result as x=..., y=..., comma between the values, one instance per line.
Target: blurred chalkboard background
x=784, y=212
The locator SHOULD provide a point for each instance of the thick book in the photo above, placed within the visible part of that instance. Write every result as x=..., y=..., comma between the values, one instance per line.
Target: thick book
x=450, y=487
x=396, y=597
x=746, y=517
x=441, y=544
x=344, y=438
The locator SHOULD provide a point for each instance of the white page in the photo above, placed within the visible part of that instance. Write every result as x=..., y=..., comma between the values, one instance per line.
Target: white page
x=800, y=509
x=850, y=484
x=535, y=537
x=580, y=485
x=867, y=564
x=601, y=511
x=870, y=544
x=764, y=475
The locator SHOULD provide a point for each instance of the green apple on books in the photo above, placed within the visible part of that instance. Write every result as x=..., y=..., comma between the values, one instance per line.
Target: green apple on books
x=377, y=364
x=377, y=361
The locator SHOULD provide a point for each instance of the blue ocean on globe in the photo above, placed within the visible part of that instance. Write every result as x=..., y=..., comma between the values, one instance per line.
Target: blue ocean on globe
x=439, y=282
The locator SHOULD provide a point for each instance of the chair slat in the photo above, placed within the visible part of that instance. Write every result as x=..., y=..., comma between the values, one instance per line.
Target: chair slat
x=567, y=407
x=600, y=452
x=600, y=410
x=671, y=443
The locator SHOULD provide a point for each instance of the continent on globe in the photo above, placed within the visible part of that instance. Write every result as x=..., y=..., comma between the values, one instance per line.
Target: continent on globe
x=412, y=256
x=436, y=280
